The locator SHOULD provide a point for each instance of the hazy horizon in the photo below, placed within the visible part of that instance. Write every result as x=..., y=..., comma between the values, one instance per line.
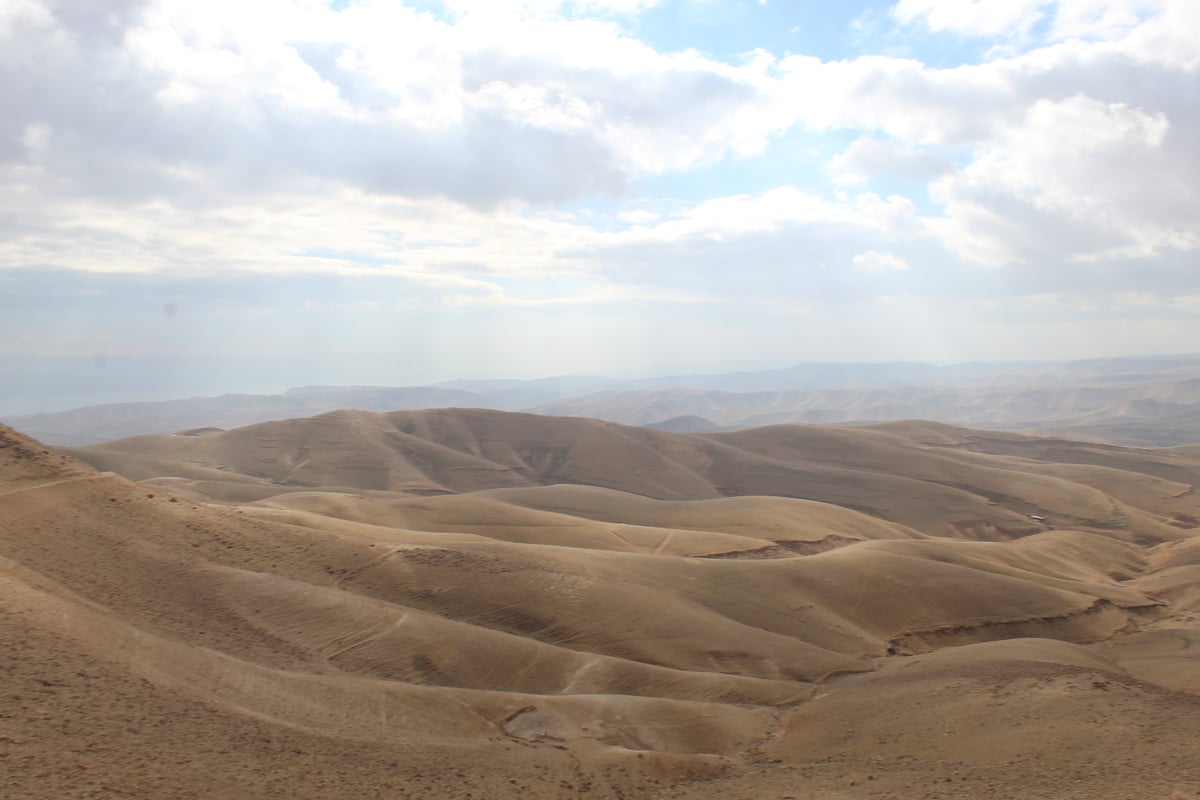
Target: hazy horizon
x=64, y=383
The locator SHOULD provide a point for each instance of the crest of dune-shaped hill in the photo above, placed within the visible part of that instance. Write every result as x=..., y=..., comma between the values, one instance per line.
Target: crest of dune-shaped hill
x=602, y=519
x=453, y=604
x=939, y=479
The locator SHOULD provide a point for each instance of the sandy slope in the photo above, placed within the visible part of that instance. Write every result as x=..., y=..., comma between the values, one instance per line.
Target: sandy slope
x=588, y=641
x=938, y=479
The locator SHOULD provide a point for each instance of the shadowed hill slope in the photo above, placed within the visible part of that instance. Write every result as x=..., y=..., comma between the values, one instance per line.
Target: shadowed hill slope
x=937, y=478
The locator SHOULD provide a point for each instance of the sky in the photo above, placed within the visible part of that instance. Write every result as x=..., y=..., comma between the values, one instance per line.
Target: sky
x=242, y=196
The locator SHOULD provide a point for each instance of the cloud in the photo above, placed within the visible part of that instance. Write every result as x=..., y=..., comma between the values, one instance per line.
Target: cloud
x=984, y=18
x=493, y=9
x=175, y=98
x=498, y=160
x=877, y=260
x=1053, y=20
x=767, y=250
x=1078, y=150
x=1108, y=20
x=900, y=98
x=1077, y=180
x=868, y=157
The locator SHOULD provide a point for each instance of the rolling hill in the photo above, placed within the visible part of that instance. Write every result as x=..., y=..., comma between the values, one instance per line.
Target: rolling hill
x=482, y=604
x=939, y=479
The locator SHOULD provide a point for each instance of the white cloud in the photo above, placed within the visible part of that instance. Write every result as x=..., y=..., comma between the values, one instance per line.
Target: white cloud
x=1167, y=38
x=868, y=157
x=1101, y=19
x=1078, y=150
x=900, y=98
x=985, y=18
x=1078, y=180
x=15, y=12
x=877, y=261
x=508, y=9
x=285, y=137
x=1092, y=20
x=269, y=96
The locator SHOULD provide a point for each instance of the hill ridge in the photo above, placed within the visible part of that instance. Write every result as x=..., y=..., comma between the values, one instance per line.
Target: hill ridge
x=464, y=625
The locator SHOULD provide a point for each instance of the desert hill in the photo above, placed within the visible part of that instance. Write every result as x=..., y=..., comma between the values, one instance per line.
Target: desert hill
x=939, y=479
x=480, y=604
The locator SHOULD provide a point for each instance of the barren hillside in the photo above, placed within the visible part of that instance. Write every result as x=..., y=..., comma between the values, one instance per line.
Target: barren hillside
x=940, y=479
x=478, y=604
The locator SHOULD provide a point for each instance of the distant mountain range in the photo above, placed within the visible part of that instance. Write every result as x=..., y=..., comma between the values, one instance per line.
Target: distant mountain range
x=1149, y=402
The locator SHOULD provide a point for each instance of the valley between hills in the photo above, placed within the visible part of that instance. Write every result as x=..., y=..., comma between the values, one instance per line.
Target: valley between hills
x=483, y=604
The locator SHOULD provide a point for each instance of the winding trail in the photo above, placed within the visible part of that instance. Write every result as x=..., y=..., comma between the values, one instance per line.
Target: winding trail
x=58, y=482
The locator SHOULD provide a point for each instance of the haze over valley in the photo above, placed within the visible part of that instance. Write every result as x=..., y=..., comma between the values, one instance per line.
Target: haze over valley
x=1148, y=401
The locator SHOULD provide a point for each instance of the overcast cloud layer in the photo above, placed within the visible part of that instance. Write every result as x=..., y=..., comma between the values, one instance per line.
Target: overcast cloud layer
x=433, y=190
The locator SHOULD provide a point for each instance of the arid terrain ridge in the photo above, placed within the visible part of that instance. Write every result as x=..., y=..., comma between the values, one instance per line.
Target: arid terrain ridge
x=484, y=604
